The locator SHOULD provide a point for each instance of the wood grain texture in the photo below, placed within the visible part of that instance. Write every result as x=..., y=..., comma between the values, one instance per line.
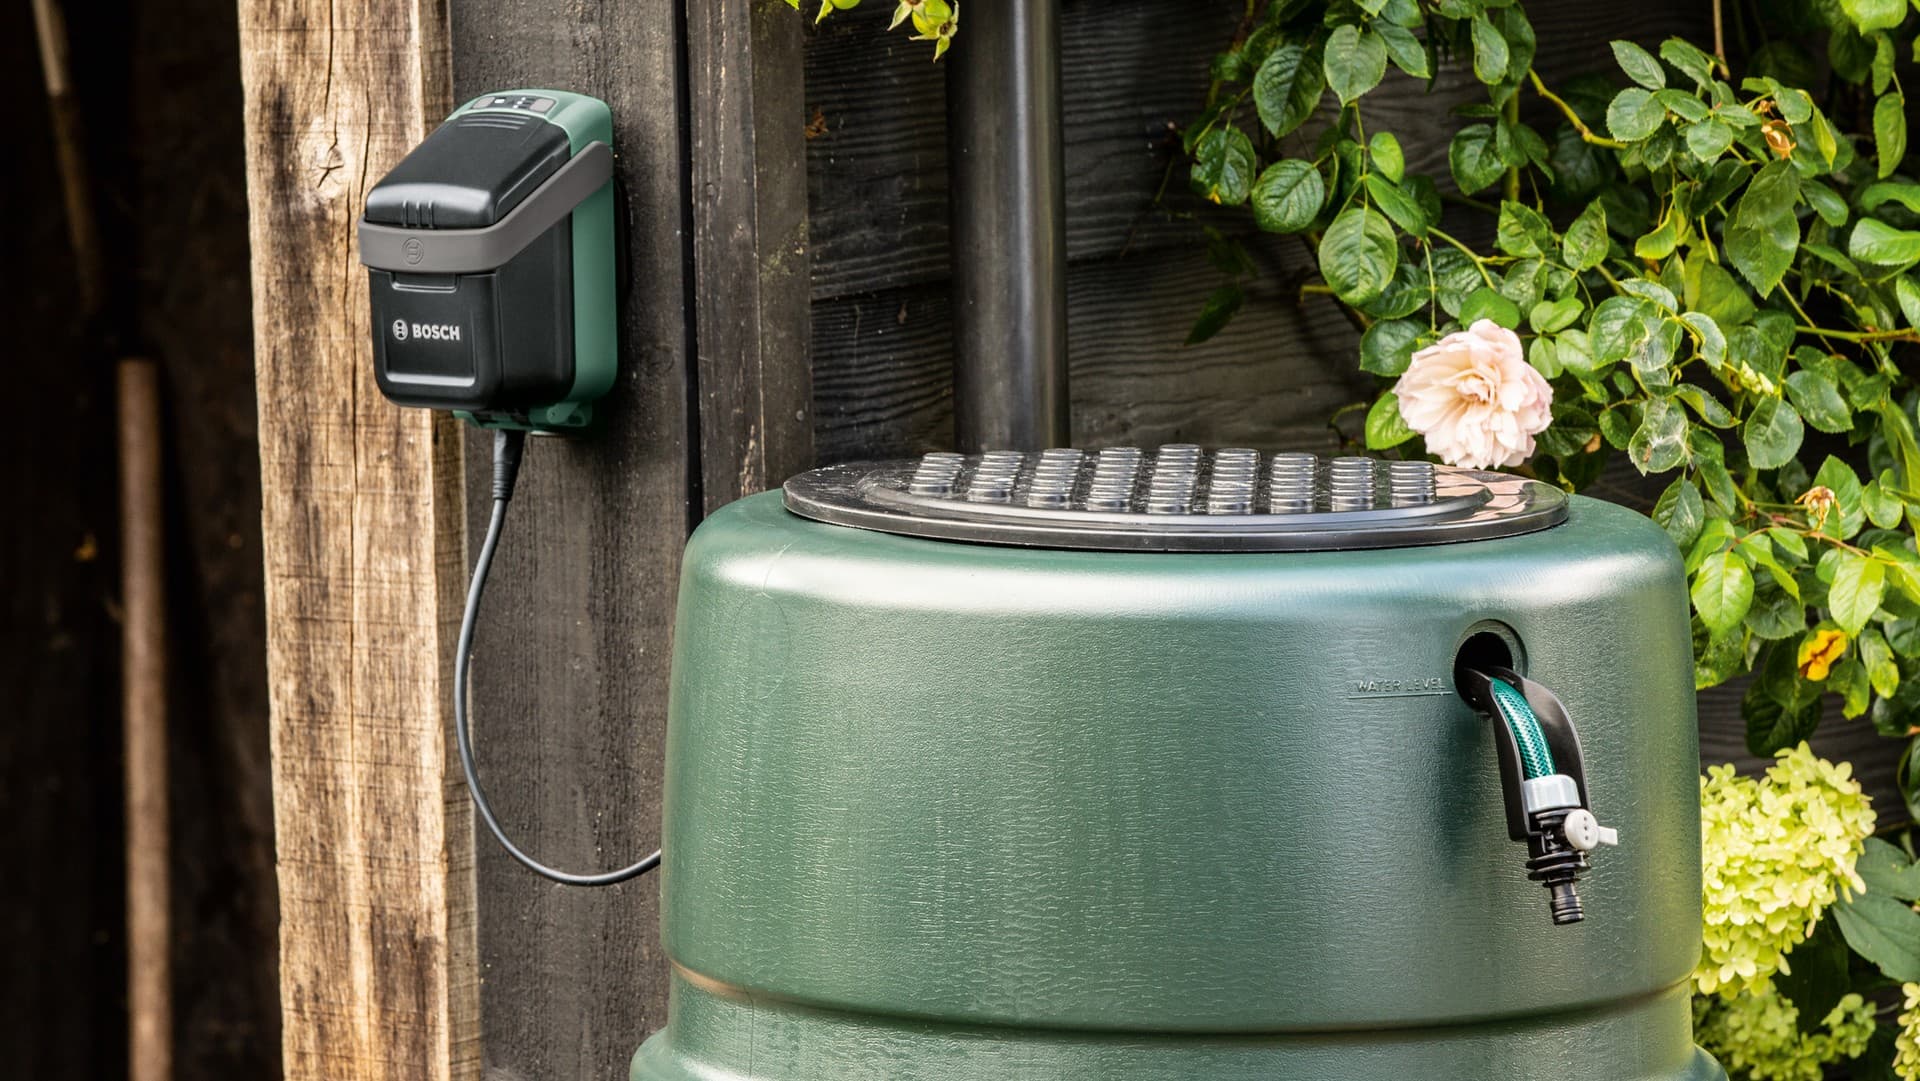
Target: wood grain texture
x=362, y=522
x=749, y=246
x=570, y=671
x=883, y=370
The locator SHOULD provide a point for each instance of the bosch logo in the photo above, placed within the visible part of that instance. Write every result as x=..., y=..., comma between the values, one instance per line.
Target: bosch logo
x=416, y=251
x=426, y=332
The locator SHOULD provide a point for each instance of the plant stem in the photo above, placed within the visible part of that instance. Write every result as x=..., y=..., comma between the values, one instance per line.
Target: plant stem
x=1512, y=186
x=1861, y=335
x=1719, y=37
x=1478, y=263
x=1573, y=118
x=1467, y=201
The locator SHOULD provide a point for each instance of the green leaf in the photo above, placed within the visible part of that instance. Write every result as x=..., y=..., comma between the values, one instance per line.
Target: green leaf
x=1817, y=979
x=1890, y=133
x=1825, y=202
x=1773, y=727
x=1407, y=52
x=1886, y=869
x=1522, y=230
x=1883, y=672
x=1869, y=15
x=1722, y=591
x=1574, y=351
x=1474, y=158
x=1549, y=316
x=1384, y=149
x=1818, y=399
x=1403, y=209
x=1639, y=65
x=1772, y=434
x=1355, y=62
x=1585, y=244
x=1712, y=343
x=1288, y=196
x=1385, y=427
x=1775, y=614
x=1287, y=88
x=1854, y=595
x=1489, y=51
x=1881, y=507
x=1216, y=313
x=1387, y=346
x=1883, y=930
x=1706, y=405
x=1762, y=234
x=1680, y=511
x=1713, y=292
x=1908, y=293
x=1358, y=253
x=1898, y=191
x=1634, y=114
x=1874, y=241
x=1660, y=443
x=1697, y=65
x=1708, y=139
x=1223, y=166
x=1620, y=327
x=1485, y=303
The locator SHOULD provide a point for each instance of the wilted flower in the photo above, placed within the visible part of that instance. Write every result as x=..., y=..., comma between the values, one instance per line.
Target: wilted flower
x=1475, y=398
x=1818, y=500
x=1779, y=138
x=1820, y=651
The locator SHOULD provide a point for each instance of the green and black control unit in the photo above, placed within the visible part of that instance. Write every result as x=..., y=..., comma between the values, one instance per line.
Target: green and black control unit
x=491, y=263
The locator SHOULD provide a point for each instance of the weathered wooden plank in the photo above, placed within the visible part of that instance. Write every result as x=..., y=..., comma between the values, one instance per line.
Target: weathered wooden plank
x=749, y=246
x=363, y=562
x=570, y=683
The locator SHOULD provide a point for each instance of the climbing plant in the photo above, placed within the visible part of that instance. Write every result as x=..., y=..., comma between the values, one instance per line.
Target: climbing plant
x=930, y=20
x=1707, y=258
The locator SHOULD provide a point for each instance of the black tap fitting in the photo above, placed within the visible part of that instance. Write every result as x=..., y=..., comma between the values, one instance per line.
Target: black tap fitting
x=1549, y=814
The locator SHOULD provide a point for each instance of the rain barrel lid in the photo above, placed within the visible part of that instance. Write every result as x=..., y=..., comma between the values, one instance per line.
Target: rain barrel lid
x=1178, y=498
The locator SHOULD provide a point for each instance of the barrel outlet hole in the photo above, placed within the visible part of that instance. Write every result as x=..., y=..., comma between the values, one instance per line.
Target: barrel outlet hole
x=1489, y=645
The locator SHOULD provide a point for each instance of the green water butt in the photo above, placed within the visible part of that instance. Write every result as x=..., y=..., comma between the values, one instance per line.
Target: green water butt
x=951, y=810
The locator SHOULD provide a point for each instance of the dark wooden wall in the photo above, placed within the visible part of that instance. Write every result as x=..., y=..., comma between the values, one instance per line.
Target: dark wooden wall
x=712, y=403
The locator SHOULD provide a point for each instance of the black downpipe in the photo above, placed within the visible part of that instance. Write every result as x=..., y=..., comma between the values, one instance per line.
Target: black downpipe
x=1009, y=228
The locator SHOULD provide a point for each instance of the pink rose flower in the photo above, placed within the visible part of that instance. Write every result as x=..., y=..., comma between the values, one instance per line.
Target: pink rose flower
x=1475, y=398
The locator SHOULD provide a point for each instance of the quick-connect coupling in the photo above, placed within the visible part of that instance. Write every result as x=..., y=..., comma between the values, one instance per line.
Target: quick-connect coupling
x=1543, y=777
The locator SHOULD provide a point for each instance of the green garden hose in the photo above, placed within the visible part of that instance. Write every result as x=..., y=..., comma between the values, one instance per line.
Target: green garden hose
x=1536, y=759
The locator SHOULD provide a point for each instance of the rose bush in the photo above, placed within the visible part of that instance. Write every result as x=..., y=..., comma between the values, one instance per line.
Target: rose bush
x=1703, y=259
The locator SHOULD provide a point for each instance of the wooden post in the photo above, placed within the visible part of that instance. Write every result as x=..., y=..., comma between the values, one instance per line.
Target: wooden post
x=750, y=252
x=143, y=696
x=364, y=567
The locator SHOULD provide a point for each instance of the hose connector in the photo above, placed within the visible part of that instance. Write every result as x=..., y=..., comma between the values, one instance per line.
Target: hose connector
x=1543, y=777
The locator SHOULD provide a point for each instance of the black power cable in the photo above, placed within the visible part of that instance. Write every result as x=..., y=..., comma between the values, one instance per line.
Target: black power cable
x=507, y=448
